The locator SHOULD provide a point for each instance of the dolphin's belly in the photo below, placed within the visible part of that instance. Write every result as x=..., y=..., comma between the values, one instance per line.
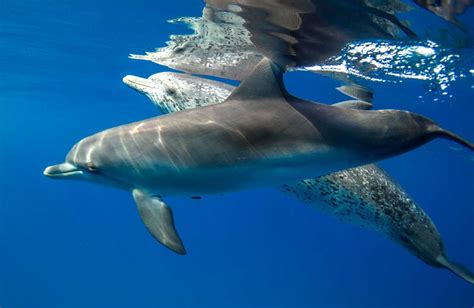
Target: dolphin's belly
x=167, y=180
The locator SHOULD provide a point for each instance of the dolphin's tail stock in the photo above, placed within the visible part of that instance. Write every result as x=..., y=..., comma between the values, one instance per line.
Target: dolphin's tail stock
x=458, y=269
x=442, y=133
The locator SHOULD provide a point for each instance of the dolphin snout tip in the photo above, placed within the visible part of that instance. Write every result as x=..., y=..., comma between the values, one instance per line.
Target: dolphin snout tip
x=127, y=79
x=46, y=171
x=136, y=83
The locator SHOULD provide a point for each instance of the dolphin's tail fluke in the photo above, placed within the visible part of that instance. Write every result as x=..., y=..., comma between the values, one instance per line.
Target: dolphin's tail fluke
x=458, y=269
x=442, y=133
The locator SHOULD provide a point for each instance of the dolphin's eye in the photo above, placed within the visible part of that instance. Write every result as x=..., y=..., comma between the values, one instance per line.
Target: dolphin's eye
x=91, y=166
x=171, y=92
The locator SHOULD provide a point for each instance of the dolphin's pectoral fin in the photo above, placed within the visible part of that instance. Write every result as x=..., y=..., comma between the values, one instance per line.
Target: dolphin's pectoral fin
x=158, y=219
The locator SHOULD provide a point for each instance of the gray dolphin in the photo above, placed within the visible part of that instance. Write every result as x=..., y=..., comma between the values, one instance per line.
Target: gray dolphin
x=260, y=136
x=365, y=196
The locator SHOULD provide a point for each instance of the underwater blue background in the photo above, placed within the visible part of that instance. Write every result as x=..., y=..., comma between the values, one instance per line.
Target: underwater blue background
x=65, y=243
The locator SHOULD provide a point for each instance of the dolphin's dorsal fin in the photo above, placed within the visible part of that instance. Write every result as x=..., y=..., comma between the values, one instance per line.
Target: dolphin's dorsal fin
x=265, y=81
x=354, y=104
x=357, y=91
x=158, y=219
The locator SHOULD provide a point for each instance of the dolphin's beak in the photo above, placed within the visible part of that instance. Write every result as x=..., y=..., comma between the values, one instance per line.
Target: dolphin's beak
x=62, y=171
x=137, y=83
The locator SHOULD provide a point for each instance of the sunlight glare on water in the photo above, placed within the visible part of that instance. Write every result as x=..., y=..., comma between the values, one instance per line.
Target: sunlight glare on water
x=388, y=61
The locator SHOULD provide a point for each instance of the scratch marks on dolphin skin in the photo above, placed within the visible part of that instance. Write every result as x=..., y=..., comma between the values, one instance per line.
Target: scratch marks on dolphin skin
x=134, y=162
x=160, y=140
x=176, y=156
x=75, y=150
x=89, y=153
x=136, y=129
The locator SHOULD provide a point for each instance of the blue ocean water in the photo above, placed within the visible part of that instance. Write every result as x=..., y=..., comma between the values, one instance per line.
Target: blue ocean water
x=65, y=243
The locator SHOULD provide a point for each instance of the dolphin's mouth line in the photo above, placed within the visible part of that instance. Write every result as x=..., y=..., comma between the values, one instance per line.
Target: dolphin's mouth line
x=69, y=171
x=130, y=80
x=138, y=84
x=61, y=174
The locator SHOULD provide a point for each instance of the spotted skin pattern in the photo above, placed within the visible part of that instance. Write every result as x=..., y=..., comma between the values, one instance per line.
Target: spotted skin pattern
x=366, y=196
x=173, y=100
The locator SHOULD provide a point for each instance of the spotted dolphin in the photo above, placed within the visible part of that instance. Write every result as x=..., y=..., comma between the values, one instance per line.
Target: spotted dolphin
x=365, y=196
x=260, y=136
x=172, y=92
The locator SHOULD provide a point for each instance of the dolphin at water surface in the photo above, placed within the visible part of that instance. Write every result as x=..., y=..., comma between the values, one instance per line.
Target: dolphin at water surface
x=260, y=136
